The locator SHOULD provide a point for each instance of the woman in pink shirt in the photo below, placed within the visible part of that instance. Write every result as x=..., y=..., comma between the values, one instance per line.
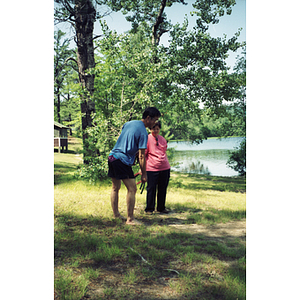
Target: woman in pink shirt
x=158, y=170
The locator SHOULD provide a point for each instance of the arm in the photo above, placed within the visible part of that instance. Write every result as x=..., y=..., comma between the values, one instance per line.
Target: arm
x=142, y=161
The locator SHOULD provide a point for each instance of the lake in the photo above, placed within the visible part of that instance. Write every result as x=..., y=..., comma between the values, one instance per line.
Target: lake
x=209, y=157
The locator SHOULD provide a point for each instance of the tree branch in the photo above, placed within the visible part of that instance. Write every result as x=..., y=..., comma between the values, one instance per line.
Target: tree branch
x=159, y=20
x=74, y=60
x=71, y=58
x=97, y=36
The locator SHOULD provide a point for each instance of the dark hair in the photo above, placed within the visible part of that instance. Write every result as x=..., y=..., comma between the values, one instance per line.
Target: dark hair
x=152, y=112
x=158, y=123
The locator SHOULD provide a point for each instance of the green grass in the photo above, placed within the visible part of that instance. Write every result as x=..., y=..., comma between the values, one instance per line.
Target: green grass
x=97, y=257
x=66, y=164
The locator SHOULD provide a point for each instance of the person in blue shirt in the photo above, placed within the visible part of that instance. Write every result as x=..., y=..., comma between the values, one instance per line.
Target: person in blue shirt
x=132, y=140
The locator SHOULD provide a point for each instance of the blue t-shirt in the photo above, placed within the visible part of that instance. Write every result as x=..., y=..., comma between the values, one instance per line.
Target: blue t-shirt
x=133, y=137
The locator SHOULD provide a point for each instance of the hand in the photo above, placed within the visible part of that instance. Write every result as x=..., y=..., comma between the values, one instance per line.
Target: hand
x=144, y=178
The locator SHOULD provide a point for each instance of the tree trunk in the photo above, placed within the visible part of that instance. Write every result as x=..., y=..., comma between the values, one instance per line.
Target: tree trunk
x=85, y=16
x=58, y=106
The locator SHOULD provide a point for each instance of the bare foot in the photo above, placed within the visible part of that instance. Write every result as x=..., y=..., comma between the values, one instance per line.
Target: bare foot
x=133, y=222
x=120, y=217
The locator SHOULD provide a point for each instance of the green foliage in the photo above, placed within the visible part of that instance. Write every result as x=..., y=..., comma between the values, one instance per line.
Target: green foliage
x=199, y=60
x=101, y=139
x=66, y=101
x=166, y=132
x=133, y=72
x=126, y=79
x=143, y=12
x=232, y=121
x=237, y=159
x=209, y=11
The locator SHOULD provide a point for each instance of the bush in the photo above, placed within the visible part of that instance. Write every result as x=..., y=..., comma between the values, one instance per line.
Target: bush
x=237, y=159
x=101, y=138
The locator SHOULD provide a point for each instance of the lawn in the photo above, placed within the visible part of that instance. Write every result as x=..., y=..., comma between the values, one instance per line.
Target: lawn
x=191, y=253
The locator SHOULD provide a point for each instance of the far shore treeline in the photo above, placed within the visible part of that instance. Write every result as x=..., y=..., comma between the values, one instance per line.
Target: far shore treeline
x=110, y=79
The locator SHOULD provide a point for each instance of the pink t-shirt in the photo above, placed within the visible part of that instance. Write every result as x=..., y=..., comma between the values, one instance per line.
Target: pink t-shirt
x=156, y=154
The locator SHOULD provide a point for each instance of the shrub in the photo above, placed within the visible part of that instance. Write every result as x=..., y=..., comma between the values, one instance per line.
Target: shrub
x=237, y=159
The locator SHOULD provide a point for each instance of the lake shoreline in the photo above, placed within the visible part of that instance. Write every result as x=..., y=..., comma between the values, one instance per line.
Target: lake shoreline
x=209, y=138
x=209, y=157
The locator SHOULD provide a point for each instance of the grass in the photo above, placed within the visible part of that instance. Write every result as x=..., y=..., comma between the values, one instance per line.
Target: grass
x=97, y=257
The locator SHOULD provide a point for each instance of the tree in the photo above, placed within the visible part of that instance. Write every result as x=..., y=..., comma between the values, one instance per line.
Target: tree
x=147, y=13
x=70, y=105
x=125, y=83
x=209, y=11
x=81, y=14
x=237, y=159
x=132, y=71
x=195, y=61
x=61, y=54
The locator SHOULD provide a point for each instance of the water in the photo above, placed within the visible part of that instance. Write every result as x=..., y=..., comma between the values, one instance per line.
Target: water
x=209, y=157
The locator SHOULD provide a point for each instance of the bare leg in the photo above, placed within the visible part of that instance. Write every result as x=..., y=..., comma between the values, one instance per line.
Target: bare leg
x=114, y=197
x=130, y=198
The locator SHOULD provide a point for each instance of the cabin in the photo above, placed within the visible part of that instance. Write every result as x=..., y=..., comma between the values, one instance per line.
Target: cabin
x=60, y=137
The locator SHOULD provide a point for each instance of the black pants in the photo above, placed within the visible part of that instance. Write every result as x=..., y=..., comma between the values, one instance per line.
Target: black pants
x=159, y=180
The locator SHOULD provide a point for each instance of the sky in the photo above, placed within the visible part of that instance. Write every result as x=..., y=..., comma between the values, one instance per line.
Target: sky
x=176, y=13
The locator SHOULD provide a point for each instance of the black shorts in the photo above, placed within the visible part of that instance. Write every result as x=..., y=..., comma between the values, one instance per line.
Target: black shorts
x=118, y=170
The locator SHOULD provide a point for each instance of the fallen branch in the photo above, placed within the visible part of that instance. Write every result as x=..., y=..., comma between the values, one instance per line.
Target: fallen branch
x=171, y=270
x=140, y=256
x=144, y=260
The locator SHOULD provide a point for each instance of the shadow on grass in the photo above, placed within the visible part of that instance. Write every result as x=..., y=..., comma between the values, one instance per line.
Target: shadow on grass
x=65, y=167
x=199, y=217
x=213, y=216
x=64, y=172
x=205, y=182
x=69, y=151
x=111, y=247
